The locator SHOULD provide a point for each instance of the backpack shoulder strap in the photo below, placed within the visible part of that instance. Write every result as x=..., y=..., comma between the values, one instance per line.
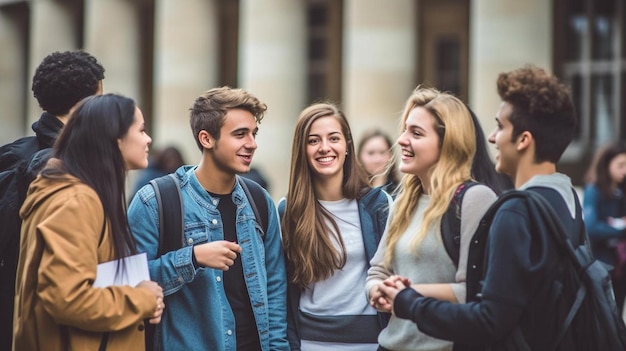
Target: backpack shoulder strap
x=451, y=222
x=170, y=206
x=256, y=196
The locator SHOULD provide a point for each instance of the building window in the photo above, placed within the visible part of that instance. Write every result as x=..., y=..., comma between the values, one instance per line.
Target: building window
x=590, y=56
x=443, y=42
x=228, y=42
x=324, y=40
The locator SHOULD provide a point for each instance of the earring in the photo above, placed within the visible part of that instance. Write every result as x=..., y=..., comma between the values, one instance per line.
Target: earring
x=346, y=153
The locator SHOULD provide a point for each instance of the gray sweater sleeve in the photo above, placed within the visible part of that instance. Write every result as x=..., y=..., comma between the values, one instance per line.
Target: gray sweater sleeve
x=476, y=201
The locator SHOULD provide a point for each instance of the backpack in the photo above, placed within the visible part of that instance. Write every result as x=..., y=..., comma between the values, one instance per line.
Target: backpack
x=582, y=287
x=17, y=171
x=451, y=222
x=171, y=224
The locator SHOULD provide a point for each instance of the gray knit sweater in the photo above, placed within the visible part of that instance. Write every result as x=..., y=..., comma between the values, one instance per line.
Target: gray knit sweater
x=431, y=264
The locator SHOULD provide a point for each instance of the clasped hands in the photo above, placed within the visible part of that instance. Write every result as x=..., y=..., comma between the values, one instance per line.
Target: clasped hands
x=157, y=291
x=383, y=294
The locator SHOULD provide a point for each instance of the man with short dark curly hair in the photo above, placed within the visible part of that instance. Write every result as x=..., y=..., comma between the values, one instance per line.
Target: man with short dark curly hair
x=60, y=81
x=511, y=273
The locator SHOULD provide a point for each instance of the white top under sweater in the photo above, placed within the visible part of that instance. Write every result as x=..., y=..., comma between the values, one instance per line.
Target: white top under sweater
x=341, y=294
x=431, y=265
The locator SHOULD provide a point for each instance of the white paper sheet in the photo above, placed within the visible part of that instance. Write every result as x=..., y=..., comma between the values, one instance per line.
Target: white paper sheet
x=134, y=270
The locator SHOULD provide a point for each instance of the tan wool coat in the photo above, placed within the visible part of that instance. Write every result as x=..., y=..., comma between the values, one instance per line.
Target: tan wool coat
x=56, y=305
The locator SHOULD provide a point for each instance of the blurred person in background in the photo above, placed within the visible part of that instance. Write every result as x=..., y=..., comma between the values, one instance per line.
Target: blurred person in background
x=604, y=206
x=165, y=161
x=376, y=156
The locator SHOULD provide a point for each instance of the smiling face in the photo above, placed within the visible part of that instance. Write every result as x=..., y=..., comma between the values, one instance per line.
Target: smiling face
x=326, y=148
x=134, y=145
x=232, y=153
x=507, y=156
x=419, y=144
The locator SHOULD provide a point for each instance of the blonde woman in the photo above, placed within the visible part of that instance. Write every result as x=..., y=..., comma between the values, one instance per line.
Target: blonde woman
x=332, y=222
x=438, y=144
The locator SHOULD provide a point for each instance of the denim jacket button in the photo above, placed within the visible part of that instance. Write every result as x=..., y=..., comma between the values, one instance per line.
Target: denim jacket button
x=229, y=332
x=219, y=279
x=215, y=202
x=214, y=221
x=190, y=241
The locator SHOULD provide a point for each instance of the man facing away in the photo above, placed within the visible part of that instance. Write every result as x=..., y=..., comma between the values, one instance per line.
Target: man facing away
x=61, y=80
x=226, y=287
x=535, y=123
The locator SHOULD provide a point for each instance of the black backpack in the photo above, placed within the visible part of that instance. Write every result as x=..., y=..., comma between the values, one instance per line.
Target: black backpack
x=19, y=164
x=588, y=310
x=451, y=222
x=171, y=224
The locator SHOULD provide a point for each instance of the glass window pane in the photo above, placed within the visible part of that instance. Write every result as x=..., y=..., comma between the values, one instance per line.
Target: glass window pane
x=577, y=24
x=576, y=86
x=317, y=16
x=602, y=107
x=448, y=53
x=604, y=28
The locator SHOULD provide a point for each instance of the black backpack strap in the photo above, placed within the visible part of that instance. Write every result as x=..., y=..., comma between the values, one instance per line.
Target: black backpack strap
x=451, y=222
x=256, y=197
x=170, y=206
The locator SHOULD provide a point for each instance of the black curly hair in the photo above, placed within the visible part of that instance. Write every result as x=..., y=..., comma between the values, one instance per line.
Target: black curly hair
x=64, y=78
x=541, y=105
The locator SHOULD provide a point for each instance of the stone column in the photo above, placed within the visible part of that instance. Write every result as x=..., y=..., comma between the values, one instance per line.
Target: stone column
x=272, y=61
x=185, y=65
x=53, y=27
x=505, y=35
x=112, y=35
x=379, y=62
x=13, y=68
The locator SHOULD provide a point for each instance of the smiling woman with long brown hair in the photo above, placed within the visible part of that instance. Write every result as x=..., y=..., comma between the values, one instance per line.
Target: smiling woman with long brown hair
x=332, y=222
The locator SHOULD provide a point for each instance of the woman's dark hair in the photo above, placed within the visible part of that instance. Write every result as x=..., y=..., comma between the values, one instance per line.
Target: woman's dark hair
x=88, y=147
x=598, y=172
x=483, y=169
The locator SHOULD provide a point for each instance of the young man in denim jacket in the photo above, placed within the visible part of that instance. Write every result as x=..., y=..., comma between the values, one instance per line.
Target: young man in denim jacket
x=225, y=289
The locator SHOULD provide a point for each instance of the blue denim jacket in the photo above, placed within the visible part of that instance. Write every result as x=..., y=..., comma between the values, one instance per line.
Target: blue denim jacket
x=197, y=314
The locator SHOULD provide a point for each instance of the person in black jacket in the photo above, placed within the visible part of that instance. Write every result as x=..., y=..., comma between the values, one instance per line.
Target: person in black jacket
x=510, y=287
x=60, y=81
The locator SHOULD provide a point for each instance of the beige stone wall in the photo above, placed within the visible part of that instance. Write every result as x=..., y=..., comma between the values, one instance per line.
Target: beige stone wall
x=185, y=65
x=13, y=68
x=379, y=61
x=505, y=35
x=272, y=64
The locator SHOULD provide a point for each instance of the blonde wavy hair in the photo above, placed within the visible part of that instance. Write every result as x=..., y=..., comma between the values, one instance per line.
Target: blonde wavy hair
x=457, y=146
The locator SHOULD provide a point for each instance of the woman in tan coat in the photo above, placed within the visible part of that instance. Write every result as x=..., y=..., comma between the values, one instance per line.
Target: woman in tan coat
x=74, y=219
